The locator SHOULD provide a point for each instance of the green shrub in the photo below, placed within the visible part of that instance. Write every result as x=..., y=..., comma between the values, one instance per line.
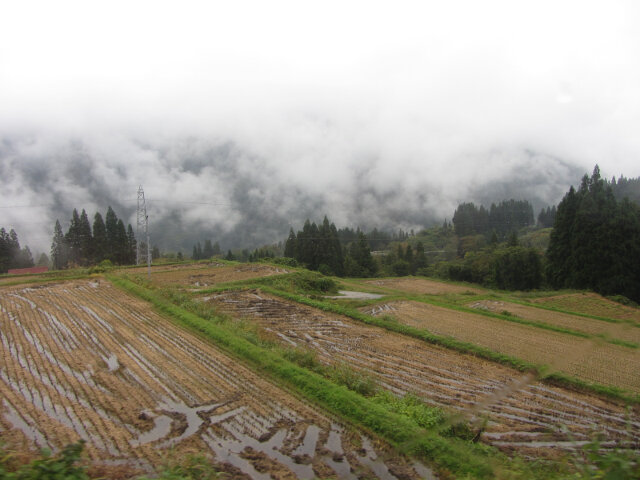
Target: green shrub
x=59, y=467
x=357, y=380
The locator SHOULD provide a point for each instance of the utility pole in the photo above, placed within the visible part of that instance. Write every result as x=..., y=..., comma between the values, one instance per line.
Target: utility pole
x=143, y=227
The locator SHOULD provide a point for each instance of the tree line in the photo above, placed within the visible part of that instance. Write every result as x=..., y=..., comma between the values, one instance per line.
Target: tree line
x=11, y=255
x=595, y=241
x=319, y=248
x=83, y=245
x=209, y=250
x=503, y=218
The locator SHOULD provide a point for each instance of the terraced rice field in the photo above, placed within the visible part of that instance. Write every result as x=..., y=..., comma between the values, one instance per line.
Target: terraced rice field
x=591, y=304
x=423, y=286
x=588, y=359
x=523, y=415
x=204, y=275
x=622, y=330
x=83, y=360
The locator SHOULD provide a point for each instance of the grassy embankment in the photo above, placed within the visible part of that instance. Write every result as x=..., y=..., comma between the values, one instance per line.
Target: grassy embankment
x=400, y=422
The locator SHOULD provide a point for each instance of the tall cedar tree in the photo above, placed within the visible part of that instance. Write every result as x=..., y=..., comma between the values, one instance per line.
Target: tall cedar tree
x=85, y=239
x=99, y=241
x=111, y=227
x=595, y=241
x=58, y=248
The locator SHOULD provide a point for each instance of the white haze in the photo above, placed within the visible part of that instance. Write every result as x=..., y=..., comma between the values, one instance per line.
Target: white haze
x=241, y=119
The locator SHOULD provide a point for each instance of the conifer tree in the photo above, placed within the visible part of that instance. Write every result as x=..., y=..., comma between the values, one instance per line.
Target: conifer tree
x=85, y=239
x=99, y=240
x=132, y=245
x=290, y=245
x=111, y=229
x=207, y=251
x=73, y=239
x=58, y=248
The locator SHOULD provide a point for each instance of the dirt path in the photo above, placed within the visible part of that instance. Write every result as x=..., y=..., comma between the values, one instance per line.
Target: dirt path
x=524, y=415
x=84, y=360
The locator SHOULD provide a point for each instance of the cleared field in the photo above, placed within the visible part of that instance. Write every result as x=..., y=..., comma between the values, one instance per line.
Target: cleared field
x=422, y=286
x=523, y=415
x=211, y=274
x=622, y=331
x=591, y=304
x=594, y=361
x=84, y=360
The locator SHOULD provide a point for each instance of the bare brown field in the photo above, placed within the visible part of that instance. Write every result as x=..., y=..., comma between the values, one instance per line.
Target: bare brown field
x=423, y=286
x=593, y=361
x=83, y=360
x=591, y=304
x=211, y=274
x=523, y=415
x=621, y=331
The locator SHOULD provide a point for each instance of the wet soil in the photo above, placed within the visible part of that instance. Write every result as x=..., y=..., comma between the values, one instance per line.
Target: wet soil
x=622, y=331
x=521, y=414
x=83, y=360
x=593, y=360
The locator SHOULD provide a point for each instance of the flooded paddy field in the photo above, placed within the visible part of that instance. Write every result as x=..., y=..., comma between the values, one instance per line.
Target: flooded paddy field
x=84, y=360
x=521, y=414
x=592, y=360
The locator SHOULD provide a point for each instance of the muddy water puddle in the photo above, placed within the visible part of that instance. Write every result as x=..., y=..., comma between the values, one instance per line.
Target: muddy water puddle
x=440, y=377
x=82, y=360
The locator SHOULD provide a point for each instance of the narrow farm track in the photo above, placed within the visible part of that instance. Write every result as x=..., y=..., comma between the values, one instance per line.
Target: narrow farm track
x=83, y=360
x=593, y=360
x=523, y=415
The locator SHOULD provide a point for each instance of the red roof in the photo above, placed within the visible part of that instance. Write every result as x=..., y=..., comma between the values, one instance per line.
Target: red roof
x=22, y=271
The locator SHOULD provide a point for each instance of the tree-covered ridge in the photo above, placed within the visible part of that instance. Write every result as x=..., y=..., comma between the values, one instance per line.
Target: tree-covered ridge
x=80, y=246
x=626, y=188
x=595, y=242
x=11, y=255
x=503, y=218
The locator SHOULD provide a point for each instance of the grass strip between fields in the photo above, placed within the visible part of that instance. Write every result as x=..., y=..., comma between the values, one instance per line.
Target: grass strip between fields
x=460, y=457
x=541, y=371
x=395, y=294
x=521, y=321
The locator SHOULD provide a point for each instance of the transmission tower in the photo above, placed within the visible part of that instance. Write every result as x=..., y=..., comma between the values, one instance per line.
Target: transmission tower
x=143, y=227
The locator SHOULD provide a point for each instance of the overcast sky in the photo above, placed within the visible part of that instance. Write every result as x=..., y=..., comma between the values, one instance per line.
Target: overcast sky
x=366, y=111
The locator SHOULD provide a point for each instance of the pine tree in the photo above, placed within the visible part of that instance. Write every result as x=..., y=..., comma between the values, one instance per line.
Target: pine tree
x=290, y=245
x=85, y=239
x=58, y=248
x=74, y=241
x=99, y=240
x=122, y=244
x=111, y=229
x=207, y=251
x=216, y=249
x=132, y=245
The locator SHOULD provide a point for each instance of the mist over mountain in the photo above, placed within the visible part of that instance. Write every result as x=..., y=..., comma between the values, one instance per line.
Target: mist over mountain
x=242, y=119
x=197, y=189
